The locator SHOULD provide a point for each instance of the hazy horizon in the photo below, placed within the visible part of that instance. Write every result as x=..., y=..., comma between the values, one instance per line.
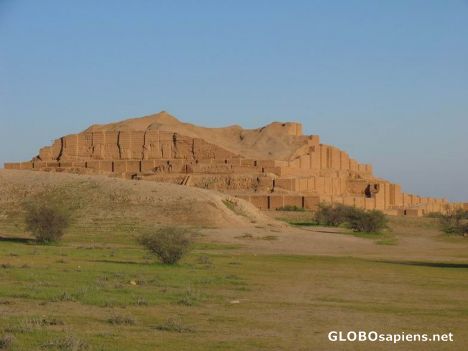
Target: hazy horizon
x=385, y=81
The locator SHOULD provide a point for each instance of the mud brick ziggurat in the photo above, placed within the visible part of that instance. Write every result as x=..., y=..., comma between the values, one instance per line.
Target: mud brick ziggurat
x=272, y=167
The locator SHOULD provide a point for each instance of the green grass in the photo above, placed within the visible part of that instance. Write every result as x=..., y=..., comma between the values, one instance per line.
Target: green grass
x=234, y=207
x=383, y=238
x=303, y=223
x=99, y=290
x=116, y=298
x=291, y=208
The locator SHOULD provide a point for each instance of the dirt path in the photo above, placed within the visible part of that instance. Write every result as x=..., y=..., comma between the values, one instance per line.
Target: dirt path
x=428, y=246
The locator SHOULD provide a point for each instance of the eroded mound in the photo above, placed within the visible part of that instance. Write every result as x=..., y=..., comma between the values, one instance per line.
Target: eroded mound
x=146, y=202
x=276, y=141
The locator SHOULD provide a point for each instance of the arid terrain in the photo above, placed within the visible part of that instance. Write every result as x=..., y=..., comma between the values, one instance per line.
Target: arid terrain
x=253, y=281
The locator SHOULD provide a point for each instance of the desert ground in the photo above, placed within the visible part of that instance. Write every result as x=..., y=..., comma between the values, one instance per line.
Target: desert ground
x=254, y=281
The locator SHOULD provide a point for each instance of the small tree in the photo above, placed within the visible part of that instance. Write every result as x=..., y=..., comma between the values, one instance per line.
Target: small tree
x=333, y=215
x=355, y=218
x=169, y=244
x=46, y=220
x=367, y=221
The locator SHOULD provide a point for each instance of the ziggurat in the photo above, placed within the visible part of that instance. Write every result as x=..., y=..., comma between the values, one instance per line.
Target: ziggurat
x=272, y=167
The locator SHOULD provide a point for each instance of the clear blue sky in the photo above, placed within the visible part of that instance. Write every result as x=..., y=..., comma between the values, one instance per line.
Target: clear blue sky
x=385, y=80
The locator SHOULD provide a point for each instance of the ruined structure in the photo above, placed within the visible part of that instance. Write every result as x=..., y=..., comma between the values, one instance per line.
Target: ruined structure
x=272, y=167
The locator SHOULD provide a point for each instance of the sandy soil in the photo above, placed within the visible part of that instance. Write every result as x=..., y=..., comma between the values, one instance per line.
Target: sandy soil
x=254, y=231
x=323, y=241
x=161, y=203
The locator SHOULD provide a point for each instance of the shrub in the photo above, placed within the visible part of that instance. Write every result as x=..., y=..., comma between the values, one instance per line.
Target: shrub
x=121, y=320
x=169, y=244
x=6, y=341
x=67, y=343
x=45, y=219
x=367, y=221
x=454, y=222
x=357, y=219
x=189, y=298
x=333, y=215
x=173, y=325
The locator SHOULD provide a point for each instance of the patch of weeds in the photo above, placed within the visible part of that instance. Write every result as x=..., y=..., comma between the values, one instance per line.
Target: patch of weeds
x=368, y=235
x=29, y=325
x=141, y=301
x=190, y=297
x=234, y=207
x=121, y=320
x=44, y=322
x=269, y=237
x=232, y=277
x=250, y=237
x=173, y=325
x=6, y=341
x=303, y=223
x=291, y=208
x=64, y=297
x=217, y=246
x=244, y=236
x=205, y=260
x=68, y=343
x=387, y=241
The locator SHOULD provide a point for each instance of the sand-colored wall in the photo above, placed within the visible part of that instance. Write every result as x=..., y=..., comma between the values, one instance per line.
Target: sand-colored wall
x=313, y=173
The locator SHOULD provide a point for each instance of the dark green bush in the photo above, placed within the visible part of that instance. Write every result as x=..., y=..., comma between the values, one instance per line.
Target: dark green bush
x=367, y=221
x=169, y=244
x=291, y=208
x=45, y=219
x=354, y=218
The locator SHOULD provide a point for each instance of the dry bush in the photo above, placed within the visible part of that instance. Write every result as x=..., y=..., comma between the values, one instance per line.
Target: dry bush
x=367, y=221
x=6, y=341
x=357, y=219
x=67, y=343
x=173, y=325
x=46, y=219
x=333, y=215
x=169, y=244
x=121, y=320
x=455, y=222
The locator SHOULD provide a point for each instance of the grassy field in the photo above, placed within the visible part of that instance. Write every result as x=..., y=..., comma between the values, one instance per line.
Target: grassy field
x=96, y=294
x=99, y=290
